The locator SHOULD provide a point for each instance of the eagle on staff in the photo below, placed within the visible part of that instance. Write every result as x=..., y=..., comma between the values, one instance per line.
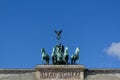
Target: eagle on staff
x=58, y=34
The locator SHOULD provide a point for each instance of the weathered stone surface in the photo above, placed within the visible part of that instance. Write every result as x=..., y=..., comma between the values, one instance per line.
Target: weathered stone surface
x=60, y=72
x=102, y=74
x=17, y=74
x=103, y=77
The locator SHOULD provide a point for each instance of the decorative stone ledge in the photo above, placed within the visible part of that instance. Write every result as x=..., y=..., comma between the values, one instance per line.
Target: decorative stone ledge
x=80, y=67
x=16, y=70
x=102, y=70
x=59, y=66
x=60, y=72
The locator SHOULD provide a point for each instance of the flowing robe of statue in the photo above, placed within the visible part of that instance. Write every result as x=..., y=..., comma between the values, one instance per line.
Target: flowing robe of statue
x=59, y=51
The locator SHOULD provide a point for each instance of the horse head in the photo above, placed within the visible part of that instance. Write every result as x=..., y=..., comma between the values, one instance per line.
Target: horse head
x=53, y=52
x=77, y=51
x=45, y=56
x=43, y=50
x=66, y=51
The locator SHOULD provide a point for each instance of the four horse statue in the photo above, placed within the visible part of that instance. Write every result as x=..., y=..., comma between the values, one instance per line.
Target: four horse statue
x=75, y=56
x=45, y=56
x=60, y=56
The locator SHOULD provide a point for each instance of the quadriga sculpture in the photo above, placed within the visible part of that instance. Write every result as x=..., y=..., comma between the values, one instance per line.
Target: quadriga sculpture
x=59, y=56
x=75, y=56
x=45, y=56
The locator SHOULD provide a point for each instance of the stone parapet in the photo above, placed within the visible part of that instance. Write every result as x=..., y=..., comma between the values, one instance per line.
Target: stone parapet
x=17, y=74
x=60, y=72
x=102, y=74
x=102, y=70
x=16, y=70
x=59, y=66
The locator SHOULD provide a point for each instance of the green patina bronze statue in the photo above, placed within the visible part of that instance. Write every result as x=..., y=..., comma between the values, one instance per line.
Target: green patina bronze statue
x=60, y=55
x=75, y=56
x=45, y=56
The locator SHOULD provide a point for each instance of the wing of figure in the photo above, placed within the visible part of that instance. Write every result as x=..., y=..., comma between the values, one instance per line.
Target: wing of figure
x=60, y=32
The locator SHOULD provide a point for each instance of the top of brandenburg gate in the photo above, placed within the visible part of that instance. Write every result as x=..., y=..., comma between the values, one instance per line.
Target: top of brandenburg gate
x=60, y=55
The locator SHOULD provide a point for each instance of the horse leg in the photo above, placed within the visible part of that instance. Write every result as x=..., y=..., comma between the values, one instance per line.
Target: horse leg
x=74, y=61
x=52, y=60
x=47, y=62
x=66, y=60
x=71, y=61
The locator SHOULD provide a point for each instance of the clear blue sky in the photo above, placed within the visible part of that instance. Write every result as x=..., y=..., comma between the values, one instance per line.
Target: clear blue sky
x=28, y=25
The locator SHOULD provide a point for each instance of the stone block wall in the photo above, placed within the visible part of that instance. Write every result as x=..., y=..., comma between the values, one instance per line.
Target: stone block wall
x=102, y=74
x=60, y=72
x=30, y=74
x=17, y=74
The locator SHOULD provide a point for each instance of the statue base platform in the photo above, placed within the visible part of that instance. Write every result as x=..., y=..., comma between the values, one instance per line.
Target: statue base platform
x=59, y=72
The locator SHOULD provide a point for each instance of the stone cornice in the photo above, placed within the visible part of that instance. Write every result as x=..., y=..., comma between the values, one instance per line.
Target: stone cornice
x=102, y=70
x=60, y=66
x=16, y=70
x=87, y=70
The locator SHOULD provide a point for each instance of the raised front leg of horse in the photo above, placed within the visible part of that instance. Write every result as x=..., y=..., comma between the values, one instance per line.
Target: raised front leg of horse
x=45, y=56
x=75, y=56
